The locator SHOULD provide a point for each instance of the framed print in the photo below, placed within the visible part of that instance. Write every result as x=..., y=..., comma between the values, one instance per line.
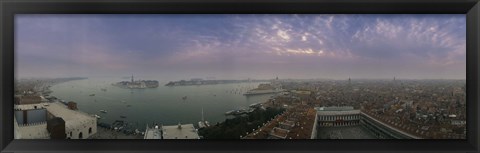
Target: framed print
x=249, y=76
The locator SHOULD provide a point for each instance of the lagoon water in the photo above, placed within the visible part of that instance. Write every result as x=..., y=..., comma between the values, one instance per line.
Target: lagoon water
x=163, y=105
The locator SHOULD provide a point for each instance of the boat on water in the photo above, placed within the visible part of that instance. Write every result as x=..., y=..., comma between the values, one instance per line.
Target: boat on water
x=237, y=112
x=123, y=116
x=92, y=94
x=230, y=112
x=104, y=89
x=203, y=123
x=255, y=104
x=97, y=116
x=184, y=97
x=103, y=111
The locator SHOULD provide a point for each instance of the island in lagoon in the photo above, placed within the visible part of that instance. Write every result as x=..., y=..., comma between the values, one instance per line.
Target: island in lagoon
x=137, y=84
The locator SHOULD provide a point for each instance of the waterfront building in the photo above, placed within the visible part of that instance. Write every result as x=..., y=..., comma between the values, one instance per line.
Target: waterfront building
x=52, y=121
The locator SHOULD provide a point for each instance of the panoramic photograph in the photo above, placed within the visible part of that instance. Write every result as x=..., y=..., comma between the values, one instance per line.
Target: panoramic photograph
x=240, y=76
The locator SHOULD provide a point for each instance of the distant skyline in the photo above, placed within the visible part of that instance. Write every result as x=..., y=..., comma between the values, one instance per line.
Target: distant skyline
x=175, y=47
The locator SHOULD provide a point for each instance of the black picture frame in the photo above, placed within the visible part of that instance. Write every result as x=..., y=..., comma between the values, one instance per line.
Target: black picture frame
x=11, y=7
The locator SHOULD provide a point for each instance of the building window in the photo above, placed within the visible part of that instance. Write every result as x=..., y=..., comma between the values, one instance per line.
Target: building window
x=70, y=133
x=89, y=130
x=80, y=136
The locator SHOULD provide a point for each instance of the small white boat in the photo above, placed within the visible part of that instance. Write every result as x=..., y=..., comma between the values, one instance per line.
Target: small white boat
x=97, y=116
x=230, y=112
x=255, y=104
x=103, y=111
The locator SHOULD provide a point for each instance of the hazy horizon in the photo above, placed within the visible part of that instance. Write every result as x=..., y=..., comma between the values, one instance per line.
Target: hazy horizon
x=178, y=47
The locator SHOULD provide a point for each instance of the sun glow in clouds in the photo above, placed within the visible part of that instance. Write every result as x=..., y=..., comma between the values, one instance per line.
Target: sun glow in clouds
x=283, y=35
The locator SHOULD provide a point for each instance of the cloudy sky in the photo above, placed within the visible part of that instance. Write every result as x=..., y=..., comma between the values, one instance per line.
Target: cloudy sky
x=242, y=46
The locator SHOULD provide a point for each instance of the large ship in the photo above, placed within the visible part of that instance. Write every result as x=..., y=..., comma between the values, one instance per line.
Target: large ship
x=260, y=92
x=264, y=89
x=198, y=81
x=137, y=84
